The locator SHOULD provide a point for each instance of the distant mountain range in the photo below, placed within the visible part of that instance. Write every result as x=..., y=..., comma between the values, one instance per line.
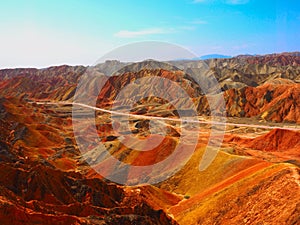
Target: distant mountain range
x=220, y=56
x=205, y=57
x=213, y=56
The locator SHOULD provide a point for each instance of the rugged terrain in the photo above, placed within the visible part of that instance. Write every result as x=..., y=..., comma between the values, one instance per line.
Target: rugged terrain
x=46, y=177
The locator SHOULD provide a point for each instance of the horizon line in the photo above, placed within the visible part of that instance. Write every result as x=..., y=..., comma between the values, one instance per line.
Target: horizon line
x=179, y=59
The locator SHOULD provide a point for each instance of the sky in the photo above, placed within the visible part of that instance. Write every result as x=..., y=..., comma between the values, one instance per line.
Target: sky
x=79, y=32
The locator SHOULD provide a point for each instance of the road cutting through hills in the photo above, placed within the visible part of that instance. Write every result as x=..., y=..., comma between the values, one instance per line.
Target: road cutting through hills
x=166, y=118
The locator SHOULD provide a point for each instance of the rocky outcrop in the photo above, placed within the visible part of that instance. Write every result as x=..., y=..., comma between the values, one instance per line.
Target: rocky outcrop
x=53, y=83
x=48, y=196
x=278, y=103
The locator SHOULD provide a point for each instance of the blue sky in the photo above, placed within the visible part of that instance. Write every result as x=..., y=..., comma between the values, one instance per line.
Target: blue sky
x=45, y=33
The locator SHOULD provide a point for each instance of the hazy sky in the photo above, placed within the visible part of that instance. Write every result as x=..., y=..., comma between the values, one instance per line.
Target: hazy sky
x=45, y=33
